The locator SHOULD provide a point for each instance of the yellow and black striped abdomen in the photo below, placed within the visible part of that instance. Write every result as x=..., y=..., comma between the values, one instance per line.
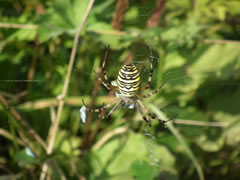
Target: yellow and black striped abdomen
x=129, y=80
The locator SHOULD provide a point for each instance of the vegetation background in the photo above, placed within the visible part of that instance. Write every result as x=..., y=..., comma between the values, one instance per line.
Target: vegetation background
x=195, y=48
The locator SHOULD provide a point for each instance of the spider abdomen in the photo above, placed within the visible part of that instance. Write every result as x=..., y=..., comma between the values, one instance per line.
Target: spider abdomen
x=129, y=80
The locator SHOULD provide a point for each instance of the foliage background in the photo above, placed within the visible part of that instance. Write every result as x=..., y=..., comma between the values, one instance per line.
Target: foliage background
x=195, y=48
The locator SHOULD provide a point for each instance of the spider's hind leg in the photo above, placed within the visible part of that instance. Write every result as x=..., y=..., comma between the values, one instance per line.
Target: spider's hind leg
x=152, y=116
x=148, y=121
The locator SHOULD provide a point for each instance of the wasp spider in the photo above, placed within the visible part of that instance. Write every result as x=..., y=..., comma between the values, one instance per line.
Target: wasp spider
x=128, y=90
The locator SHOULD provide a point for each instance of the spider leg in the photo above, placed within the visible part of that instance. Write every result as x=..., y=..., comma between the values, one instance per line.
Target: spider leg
x=99, y=109
x=103, y=64
x=106, y=84
x=105, y=81
x=143, y=115
x=153, y=92
x=112, y=110
x=152, y=116
x=150, y=73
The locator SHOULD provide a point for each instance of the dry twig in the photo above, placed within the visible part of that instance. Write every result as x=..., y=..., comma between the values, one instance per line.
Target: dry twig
x=220, y=41
x=31, y=132
x=18, y=26
x=108, y=136
x=200, y=123
x=54, y=127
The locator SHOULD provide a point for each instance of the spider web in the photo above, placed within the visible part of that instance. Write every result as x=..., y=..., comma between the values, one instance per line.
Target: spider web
x=219, y=72
x=172, y=75
x=199, y=80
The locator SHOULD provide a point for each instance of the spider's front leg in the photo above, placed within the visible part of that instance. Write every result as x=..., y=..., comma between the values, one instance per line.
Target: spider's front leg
x=104, y=81
x=153, y=92
x=151, y=71
x=98, y=109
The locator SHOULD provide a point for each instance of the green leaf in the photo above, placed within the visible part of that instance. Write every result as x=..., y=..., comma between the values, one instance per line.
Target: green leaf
x=67, y=144
x=119, y=156
x=182, y=142
x=215, y=58
x=210, y=145
x=141, y=170
x=62, y=17
x=23, y=35
x=26, y=158
x=104, y=33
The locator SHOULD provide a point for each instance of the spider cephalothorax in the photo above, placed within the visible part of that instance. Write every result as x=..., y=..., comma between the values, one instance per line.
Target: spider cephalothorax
x=128, y=90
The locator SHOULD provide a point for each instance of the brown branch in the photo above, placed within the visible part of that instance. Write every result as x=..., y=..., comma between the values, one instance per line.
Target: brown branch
x=194, y=4
x=31, y=71
x=86, y=137
x=99, y=120
x=54, y=127
x=94, y=132
x=19, y=26
x=14, y=97
x=221, y=41
x=118, y=16
x=108, y=136
x=47, y=103
x=74, y=169
x=160, y=8
x=115, y=33
x=10, y=173
x=129, y=58
x=200, y=123
x=31, y=132
x=9, y=136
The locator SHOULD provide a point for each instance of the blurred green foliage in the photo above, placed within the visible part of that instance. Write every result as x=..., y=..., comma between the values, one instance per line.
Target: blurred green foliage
x=195, y=48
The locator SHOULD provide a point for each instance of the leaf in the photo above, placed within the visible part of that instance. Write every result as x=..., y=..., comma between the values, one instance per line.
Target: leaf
x=104, y=33
x=67, y=143
x=26, y=158
x=182, y=142
x=215, y=58
x=62, y=17
x=210, y=145
x=23, y=34
x=118, y=156
x=141, y=170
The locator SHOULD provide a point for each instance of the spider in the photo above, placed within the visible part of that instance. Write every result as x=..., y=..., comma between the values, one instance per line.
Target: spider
x=128, y=91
